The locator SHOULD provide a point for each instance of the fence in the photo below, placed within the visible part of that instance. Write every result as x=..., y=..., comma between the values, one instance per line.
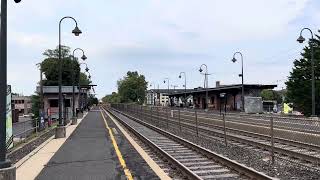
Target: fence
x=27, y=128
x=293, y=139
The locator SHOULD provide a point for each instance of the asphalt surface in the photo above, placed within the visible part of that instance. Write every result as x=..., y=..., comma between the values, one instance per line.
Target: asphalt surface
x=89, y=154
x=23, y=125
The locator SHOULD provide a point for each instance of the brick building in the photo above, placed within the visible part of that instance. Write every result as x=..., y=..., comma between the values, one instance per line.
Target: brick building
x=232, y=95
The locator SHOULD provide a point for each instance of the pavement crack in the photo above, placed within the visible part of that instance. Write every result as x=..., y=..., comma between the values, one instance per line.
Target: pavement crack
x=53, y=163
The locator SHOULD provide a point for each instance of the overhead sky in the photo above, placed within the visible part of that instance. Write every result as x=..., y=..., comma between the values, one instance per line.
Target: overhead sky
x=161, y=38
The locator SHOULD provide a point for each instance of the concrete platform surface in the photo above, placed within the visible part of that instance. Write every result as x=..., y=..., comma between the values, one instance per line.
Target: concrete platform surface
x=89, y=153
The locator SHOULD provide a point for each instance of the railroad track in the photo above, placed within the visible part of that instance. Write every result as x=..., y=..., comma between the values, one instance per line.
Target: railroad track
x=306, y=153
x=192, y=160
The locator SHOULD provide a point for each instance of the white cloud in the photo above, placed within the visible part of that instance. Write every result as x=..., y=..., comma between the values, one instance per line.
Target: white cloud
x=170, y=30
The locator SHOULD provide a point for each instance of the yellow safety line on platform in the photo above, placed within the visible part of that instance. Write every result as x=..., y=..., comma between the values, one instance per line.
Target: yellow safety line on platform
x=116, y=148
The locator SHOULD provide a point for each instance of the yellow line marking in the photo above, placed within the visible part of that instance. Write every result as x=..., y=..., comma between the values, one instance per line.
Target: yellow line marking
x=153, y=165
x=116, y=148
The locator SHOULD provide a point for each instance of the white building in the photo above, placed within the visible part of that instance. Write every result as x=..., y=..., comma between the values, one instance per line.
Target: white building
x=159, y=97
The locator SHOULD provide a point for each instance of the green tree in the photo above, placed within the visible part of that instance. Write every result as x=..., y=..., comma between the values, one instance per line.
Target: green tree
x=132, y=88
x=272, y=95
x=92, y=100
x=50, y=67
x=299, y=81
x=84, y=80
x=112, y=98
x=35, y=105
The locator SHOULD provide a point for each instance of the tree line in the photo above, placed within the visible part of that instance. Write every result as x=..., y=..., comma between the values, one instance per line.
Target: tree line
x=131, y=89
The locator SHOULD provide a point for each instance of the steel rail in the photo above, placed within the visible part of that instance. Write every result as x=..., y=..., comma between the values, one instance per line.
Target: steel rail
x=241, y=169
x=279, y=150
x=283, y=151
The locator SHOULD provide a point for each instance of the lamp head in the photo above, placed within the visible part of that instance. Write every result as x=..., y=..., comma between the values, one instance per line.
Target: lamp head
x=301, y=39
x=87, y=69
x=234, y=60
x=180, y=76
x=89, y=77
x=200, y=70
x=17, y=1
x=164, y=81
x=84, y=57
x=76, y=31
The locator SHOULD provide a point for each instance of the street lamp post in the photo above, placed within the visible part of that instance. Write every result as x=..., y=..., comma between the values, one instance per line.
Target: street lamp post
x=168, y=80
x=87, y=94
x=240, y=75
x=4, y=163
x=74, y=118
x=79, y=87
x=185, y=87
x=154, y=96
x=301, y=39
x=206, y=80
x=41, y=120
x=60, y=130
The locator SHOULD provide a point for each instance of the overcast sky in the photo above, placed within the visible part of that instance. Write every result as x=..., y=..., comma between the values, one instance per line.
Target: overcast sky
x=161, y=38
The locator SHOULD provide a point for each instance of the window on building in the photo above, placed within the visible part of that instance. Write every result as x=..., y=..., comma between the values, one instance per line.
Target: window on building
x=67, y=102
x=212, y=100
x=53, y=102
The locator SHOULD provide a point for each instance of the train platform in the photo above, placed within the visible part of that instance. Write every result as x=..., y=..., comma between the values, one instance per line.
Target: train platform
x=96, y=148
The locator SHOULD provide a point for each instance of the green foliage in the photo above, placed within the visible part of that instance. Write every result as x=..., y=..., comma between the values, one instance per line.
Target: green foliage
x=84, y=80
x=50, y=67
x=92, y=100
x=271, y=95
x=112, y=98
x=54, y=53
x=132, y=88
x=299, y=81
x=35, y=102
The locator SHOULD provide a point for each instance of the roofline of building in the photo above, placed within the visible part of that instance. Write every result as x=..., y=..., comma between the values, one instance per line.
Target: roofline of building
x=225, y=87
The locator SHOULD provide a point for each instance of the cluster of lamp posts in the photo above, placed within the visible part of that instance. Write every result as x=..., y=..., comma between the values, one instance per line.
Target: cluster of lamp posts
x=300, y=39
x=76, y=31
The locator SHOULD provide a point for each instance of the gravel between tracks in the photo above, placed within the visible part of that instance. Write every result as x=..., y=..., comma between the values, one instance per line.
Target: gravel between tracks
x=250, y=157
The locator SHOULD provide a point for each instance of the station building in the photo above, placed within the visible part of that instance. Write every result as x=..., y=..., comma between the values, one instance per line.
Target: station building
x=232, y=96
x=51, y=99
x=159, y=97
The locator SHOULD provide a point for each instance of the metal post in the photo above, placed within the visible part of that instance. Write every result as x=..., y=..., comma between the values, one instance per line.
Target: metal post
x=151, y=115
x=313, y=82
x=179, y=120
x=158, y=114
x=140, y=112
x=272, y=140
x=167, y=118
x=73, y=88
x=300, y=40
x=73, y=79
x=41, y=99
x=242, y=84
x=225, y=103
x=207, y=94
x=3, y=83
x=64, y=110
x=224, y=129
x=196, y=116
x=60, y=77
